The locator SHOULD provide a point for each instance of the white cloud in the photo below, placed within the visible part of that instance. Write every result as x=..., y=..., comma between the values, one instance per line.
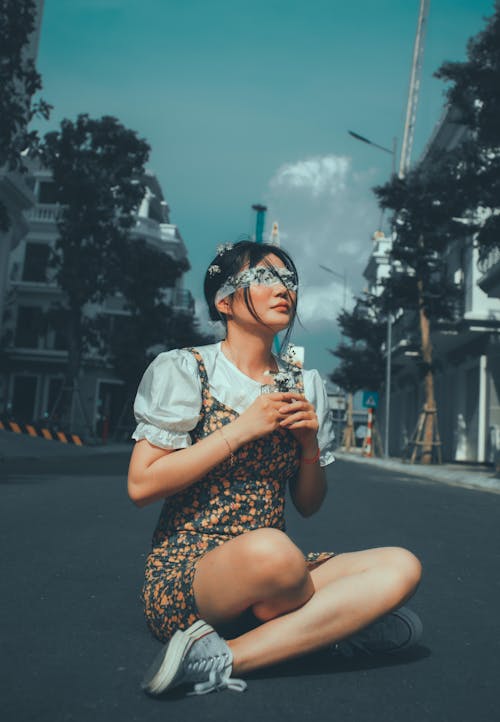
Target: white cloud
x=320, y=175
x=327, y=214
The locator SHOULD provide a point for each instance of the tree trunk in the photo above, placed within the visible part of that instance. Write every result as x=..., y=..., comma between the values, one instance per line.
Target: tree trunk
x=429, y=410
x=66, y=408
x=349, y=438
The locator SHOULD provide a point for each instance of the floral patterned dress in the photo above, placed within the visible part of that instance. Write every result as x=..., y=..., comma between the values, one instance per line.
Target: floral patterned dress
x=230, y=500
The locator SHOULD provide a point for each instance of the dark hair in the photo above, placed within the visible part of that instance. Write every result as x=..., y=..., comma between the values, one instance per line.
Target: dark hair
x=230, y=262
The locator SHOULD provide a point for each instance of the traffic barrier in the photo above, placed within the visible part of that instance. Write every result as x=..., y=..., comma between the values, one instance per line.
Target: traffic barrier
x=43, y=432
x=368, y=442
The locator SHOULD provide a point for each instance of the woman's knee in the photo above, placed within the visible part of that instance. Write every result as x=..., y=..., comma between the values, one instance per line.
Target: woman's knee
x=275, y=559
x=407, y=568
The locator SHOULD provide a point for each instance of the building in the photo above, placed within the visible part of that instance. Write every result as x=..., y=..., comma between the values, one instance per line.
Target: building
x=466, y=350
x=35, y=352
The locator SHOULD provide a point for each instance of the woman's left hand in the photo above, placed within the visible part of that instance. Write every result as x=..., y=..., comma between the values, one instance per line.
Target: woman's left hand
x=300, y=419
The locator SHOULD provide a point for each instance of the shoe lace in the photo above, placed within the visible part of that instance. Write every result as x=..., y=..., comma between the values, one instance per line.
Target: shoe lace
x=219, y=676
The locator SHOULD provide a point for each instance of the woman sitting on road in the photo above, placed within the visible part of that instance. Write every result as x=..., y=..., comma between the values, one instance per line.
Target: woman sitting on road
x=220, y=552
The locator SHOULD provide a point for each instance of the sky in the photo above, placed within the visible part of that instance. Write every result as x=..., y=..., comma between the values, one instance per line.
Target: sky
x=250, y=102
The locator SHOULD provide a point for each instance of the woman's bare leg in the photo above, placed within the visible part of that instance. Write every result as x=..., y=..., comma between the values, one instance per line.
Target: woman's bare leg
x=301, y=611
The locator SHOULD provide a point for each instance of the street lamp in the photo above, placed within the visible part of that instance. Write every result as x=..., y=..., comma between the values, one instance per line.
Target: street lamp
x=388, y=343
x=380, y=147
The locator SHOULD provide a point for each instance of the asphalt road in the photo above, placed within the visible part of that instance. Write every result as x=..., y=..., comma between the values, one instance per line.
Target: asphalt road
x=74, y=644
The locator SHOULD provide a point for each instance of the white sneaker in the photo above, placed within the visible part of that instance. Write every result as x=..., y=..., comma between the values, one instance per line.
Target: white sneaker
x=394, y=632
x=197, y=655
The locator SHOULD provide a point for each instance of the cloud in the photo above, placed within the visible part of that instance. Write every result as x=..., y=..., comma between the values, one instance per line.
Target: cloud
x=327, y=214
x=318, y=176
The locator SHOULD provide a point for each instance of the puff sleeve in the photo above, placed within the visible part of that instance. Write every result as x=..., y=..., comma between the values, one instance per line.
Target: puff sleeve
x=315, y=392
x=168, y=401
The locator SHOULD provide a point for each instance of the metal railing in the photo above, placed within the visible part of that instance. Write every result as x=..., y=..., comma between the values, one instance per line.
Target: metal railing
x=44, y=213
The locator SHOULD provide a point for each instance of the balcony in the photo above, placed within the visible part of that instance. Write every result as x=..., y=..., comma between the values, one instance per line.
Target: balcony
x=180, y=300
x=36, y=355
x=44, y=213
x=147, y=229
x=31, y=288
x=165, y=237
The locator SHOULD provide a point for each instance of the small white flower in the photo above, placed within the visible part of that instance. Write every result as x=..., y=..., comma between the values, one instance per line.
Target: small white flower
x=212, y=270
x=285, y=380
x=223, y=247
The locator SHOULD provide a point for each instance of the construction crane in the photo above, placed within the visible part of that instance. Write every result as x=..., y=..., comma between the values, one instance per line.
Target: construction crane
x=413, y=91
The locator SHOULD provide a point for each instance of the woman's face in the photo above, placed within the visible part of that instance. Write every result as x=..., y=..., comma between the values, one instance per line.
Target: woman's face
x=274, y=304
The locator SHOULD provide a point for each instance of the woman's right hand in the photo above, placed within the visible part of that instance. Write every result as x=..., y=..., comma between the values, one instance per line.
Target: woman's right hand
x=261, y=418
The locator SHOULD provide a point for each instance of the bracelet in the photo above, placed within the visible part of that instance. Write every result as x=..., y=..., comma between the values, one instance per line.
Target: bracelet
x=232, y=457
x=313, y=460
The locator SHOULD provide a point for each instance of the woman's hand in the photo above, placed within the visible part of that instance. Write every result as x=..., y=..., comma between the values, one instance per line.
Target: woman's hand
x=262, y=417
x=308, y=487
x=301, y=420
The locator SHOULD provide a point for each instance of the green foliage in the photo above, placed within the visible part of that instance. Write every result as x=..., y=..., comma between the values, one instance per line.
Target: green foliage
x=425, y=204
x=97, y=166
x=475, y=92
x=152, y=324
x=19, y=81
x=362, y=364
x=475, y=83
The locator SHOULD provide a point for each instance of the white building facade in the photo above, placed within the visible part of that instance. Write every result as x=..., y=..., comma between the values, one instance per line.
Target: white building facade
x=466, y=350
x=35, y=353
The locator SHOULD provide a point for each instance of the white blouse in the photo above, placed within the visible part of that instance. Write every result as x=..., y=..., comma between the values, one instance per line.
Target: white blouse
x=168, y=401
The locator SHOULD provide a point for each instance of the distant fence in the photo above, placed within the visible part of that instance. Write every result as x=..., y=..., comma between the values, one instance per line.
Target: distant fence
x=42, y=431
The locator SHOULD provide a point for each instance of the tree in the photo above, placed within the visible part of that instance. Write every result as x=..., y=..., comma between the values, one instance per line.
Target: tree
x=19, y=82
x=460, y=184
x=425, y=204
x=150, y=322
x=475, y=93
x=97, y=166
x=361, y=360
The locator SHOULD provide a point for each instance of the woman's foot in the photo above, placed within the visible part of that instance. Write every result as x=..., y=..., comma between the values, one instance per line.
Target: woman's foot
x=197, y=655
x=394, y=632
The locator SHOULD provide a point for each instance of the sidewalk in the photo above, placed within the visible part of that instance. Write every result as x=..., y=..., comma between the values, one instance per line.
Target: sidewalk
x=466, y=475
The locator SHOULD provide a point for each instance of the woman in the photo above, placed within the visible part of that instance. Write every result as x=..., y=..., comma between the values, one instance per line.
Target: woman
x=220, y=550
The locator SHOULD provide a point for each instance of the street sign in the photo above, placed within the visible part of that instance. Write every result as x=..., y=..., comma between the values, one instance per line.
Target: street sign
x=370, y=399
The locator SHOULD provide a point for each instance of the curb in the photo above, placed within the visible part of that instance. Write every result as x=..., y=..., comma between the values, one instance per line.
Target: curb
x=444, y=474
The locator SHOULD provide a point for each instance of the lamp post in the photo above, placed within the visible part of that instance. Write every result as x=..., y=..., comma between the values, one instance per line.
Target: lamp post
x=348, y=436
x=388, y=343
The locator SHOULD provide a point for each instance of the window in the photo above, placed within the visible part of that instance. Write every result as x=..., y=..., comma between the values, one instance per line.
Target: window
x=29, y=326
x=36, y=259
